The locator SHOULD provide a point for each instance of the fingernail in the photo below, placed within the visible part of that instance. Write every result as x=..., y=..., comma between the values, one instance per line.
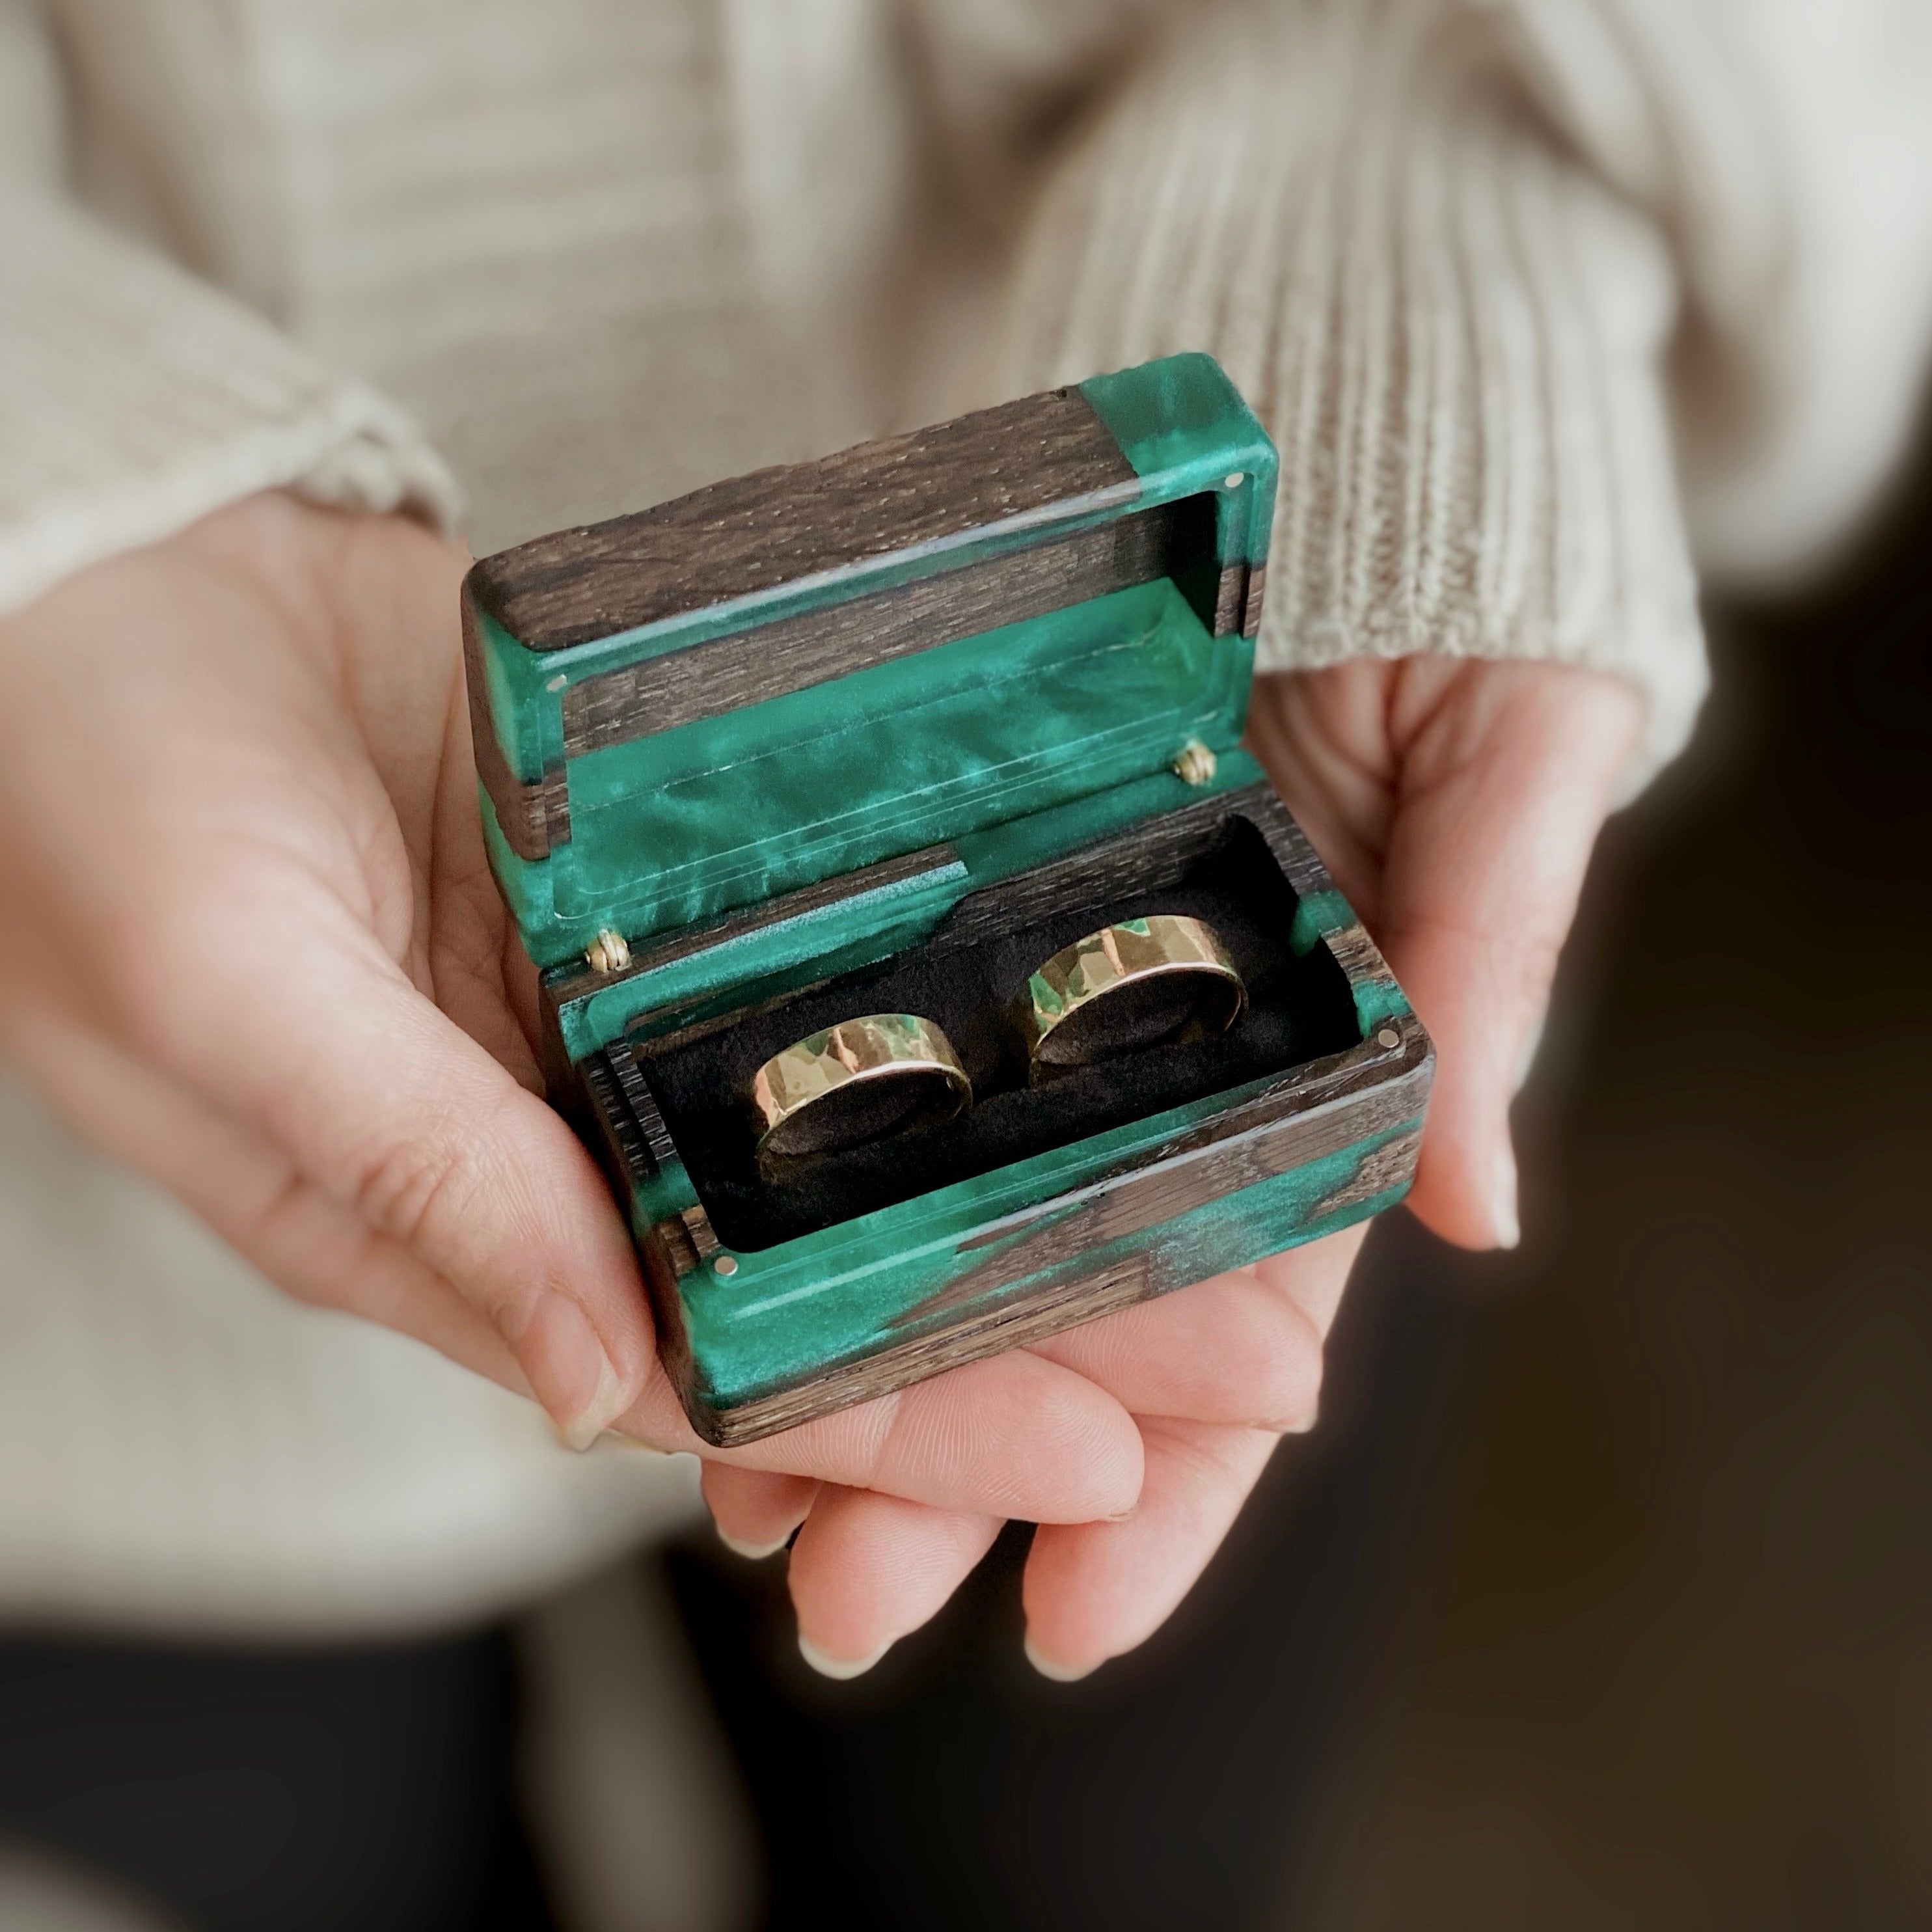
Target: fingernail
x=840, y=1667
x=1503, y=1200
x=755, y=1552
x=573, y=1377
x=1059, y=1673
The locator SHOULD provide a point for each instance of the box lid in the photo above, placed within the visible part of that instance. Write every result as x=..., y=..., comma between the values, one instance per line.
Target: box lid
x=798, y=672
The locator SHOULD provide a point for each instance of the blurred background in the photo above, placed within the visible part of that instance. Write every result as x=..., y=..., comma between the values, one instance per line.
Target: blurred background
x=1602, y=1595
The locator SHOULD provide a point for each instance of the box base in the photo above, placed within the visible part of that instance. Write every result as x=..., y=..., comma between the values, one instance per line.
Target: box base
x=1332, y=1144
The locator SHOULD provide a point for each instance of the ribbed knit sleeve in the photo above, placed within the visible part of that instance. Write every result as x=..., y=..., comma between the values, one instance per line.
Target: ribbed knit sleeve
x=134, y=399
x=1452, y=329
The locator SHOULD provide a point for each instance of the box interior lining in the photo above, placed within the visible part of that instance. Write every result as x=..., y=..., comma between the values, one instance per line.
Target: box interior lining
x=963, y=977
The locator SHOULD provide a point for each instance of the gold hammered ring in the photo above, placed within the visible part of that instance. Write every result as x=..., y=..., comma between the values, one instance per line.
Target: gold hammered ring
x=861, y=1081
x=1142, y=983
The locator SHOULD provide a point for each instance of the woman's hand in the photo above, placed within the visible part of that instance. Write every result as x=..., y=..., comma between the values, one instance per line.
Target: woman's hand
x=252, y=946
x=1456, y=803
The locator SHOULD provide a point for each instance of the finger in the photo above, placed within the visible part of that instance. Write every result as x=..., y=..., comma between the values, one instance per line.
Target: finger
x=392, y=1111
x=1313, y=1277
x=250, y=1194
x=1010, y=1436
x=1506, y=785
x=756, y=1510
x=1093, y=1590
x=1236, y=1348
x=868, y=1570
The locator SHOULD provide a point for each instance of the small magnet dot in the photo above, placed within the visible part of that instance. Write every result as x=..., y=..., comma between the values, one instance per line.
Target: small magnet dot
x=1234, y=479
x=725, y=1264
x=557, y=683
x=1388, y=1037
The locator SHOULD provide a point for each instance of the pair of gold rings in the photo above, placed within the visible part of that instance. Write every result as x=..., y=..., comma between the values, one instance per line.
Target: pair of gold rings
x=1138, y=984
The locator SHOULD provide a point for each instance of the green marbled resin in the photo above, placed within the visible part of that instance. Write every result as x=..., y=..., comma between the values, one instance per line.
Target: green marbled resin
x=791, y=1313
x=1183, y=427
x=856, y=931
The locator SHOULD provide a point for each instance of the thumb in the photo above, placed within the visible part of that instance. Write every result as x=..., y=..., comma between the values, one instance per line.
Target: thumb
x=391, y=1109
x=1507, y=774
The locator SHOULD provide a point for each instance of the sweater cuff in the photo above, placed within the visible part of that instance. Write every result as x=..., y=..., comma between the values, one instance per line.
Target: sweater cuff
x=136, y=399
x=1453, y=332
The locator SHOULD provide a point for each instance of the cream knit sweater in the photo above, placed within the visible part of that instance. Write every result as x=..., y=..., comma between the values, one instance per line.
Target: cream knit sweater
x=1540, y=298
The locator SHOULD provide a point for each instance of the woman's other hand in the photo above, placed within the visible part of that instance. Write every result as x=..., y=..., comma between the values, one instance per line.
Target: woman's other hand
x=1456, y=803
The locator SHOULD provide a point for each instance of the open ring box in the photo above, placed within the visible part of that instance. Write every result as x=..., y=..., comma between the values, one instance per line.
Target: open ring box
x=879, y=733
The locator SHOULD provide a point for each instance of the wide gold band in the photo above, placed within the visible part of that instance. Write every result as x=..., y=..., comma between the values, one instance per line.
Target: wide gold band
x=1132, y=985
x=860, y=1081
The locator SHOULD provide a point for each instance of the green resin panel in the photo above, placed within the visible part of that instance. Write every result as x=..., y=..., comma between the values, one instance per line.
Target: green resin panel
x=676, y=827
x=740, y=807
x=857, y=931
x=790, y=1313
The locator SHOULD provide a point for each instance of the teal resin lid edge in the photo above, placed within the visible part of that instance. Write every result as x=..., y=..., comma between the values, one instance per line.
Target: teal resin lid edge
x=1185, y=429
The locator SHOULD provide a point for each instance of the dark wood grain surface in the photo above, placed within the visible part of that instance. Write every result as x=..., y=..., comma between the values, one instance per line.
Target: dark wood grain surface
x=1311, y=1113
x=626, y=1155
x=1355, y=952
x=1251, y=607
x=1230, y=594
x=1156, y=852
x=1010, y=1325
x=1173, y=540
x=1044, y=453
x=772, y=659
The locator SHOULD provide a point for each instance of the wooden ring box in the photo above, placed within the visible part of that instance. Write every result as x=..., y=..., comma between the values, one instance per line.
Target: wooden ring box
x=879, y=733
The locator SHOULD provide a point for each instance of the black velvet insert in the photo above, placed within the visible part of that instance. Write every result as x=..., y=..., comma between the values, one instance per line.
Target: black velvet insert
x=965, y=977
